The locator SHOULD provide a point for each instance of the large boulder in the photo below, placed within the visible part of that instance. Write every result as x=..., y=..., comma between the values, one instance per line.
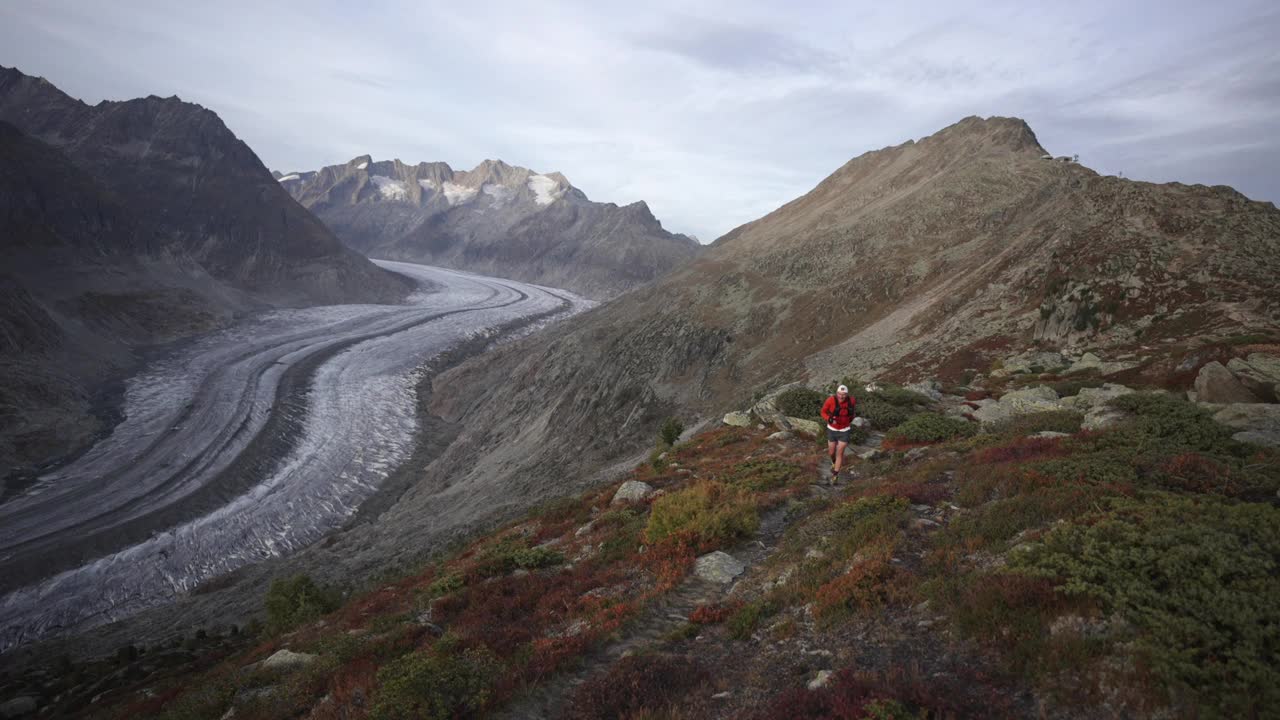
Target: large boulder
x=1260, y=375
x=737, y=419
x=1089, y=361
x=1257, y=422
x=718, y=567
x=1032, y=361
x=808, y=427
x=1093, y=403
x=1216, y=384
x=1018, y=402
x=632, y=491
x=928, y=388
x=767, y=410
x=286, y=660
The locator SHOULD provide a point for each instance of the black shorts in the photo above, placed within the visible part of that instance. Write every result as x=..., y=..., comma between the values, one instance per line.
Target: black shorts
x=838, y=435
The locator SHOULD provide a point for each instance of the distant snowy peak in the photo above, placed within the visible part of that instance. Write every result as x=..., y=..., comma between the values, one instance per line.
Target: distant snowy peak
x=495, y=179
x=546, y=190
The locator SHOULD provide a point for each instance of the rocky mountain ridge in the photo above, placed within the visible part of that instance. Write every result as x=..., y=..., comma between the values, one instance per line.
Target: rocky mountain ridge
x=496, y=219
x=127, y=225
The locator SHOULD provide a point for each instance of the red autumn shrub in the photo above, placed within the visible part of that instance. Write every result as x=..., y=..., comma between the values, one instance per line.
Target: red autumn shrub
x=635, y=684
x=713, y=613
x=1020, y=450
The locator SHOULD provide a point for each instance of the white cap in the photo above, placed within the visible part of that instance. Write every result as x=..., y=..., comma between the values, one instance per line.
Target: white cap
x=842, y=389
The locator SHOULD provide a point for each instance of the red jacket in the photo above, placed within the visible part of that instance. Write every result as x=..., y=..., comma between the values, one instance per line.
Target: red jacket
x=841, y=419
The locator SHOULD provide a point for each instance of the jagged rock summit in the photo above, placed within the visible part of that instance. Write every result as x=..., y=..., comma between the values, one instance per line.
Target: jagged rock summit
x=497, y=219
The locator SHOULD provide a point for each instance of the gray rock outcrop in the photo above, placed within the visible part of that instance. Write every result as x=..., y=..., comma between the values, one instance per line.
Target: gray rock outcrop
x=718, y=567
x=1216, y=384
x=632, y=491
x=1018, y=402
x=1259, y=374
x=1257, y=423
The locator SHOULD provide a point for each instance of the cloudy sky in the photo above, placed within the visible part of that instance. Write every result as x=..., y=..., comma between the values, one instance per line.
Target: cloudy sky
x=714, y=114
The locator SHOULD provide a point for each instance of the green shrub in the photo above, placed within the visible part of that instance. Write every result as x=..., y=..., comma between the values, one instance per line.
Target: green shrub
x=856, y=523
x=1178, y=423
x=895, y=395
x=762, y=475
x=1068, y=388
x=1064, y=421
x=442, y=682
x=746, y=620
x=710, y=512
x=931, y=427
x=1197, y=577
x=800, y=402
x=670, y=431
x=1100, y=468
x=445, y=584
x=511, y=552
x=882, y=414
x=293, y=601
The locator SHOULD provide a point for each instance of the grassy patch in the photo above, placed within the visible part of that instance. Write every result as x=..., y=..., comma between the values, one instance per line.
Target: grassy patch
x=930, y=428
x=743, y=623
x=1063, y=421
x=445, y=681
x=709, y=513
x=293, y=601
x=763, y=475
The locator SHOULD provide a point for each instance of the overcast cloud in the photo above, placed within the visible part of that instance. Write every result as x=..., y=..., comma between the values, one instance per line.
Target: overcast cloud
x=714, y=115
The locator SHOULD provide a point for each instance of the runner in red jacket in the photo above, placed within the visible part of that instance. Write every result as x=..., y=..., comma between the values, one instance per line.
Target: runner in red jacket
x=839, y=411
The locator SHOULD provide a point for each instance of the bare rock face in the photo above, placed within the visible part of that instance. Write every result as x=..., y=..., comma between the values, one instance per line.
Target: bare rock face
x=496, y=219
x=1260, y=375
x=1256, y=422
x=1216, y=384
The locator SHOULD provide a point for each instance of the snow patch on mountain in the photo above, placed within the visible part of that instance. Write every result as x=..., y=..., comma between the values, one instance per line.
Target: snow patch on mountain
x=457, y=194
x=545, y=189
x=429, y=184
x=499, y=193
x=362, y=165
x=390, y=188
x=287, y=178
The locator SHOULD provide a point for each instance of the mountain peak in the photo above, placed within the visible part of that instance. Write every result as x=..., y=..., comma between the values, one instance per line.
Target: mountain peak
x=1008, y=134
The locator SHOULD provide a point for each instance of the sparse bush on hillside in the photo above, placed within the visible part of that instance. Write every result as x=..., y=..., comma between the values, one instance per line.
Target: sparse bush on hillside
x=670, y=431
x=882, y=414
x=1177, y=422
x=1197, y=577
x=1065, y=421
x=801, y=402
x=293, y=601
x=930, y=427
x=637, y=685
x=743, y=623
x=510, y=553
x=446, y=584
x=763, y=475
x=710, y=513
x=443, y=682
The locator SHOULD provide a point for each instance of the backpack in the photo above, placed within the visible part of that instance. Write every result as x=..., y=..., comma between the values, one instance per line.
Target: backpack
x=846, y=408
